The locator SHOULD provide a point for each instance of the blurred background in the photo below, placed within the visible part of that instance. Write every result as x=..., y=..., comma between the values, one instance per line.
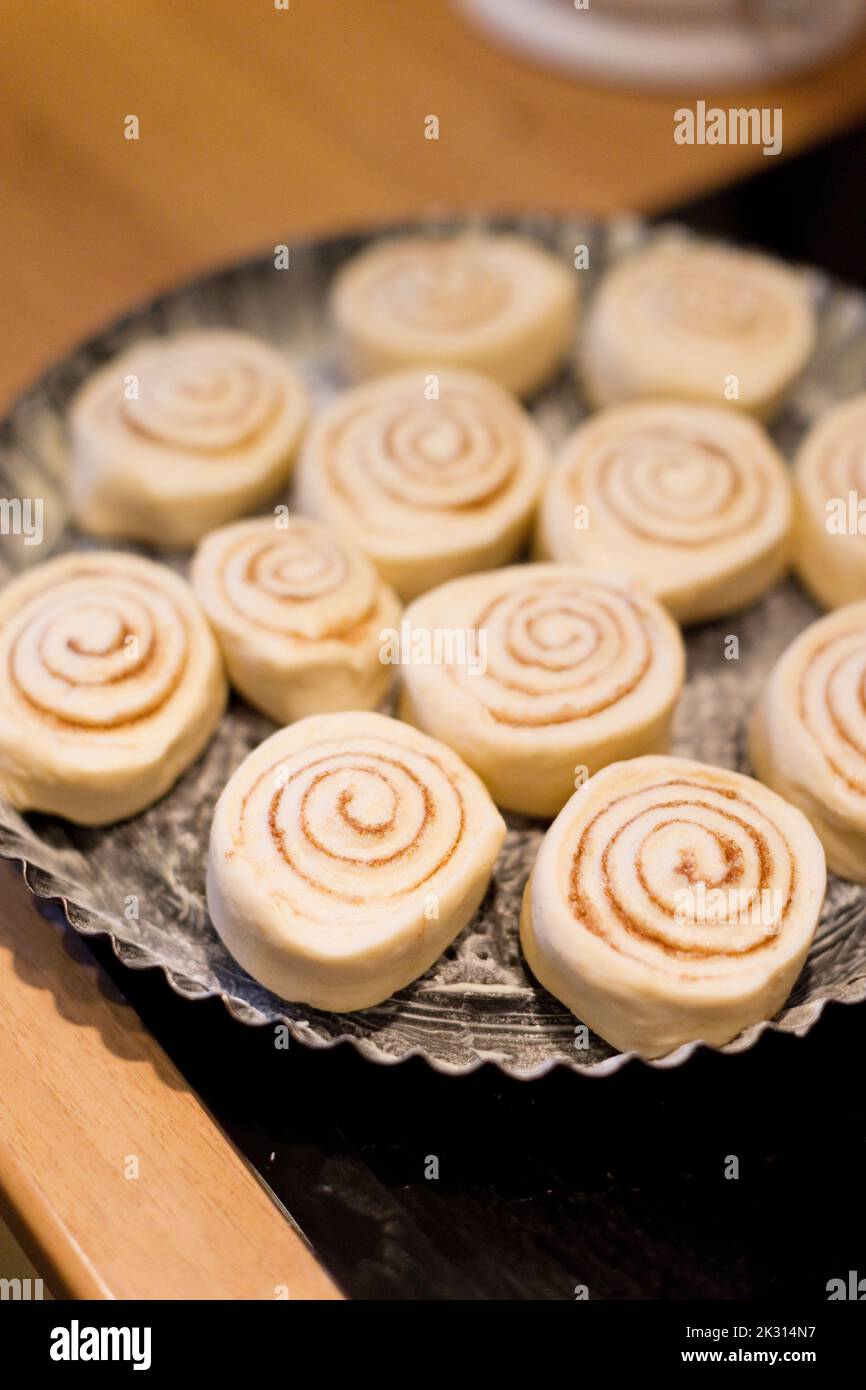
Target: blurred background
x=261, y=120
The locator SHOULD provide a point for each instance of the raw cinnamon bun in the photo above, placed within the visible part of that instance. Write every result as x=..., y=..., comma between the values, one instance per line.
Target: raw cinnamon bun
x=672, y=901
x=496, y=304
x=111, y=684
x=698, y=322
x=694, y=500
x=808, y=735
x=298, y=614
x=428, y=487
x=543, y=674
x=181, y=434
x=346, y=853
x=830, y=506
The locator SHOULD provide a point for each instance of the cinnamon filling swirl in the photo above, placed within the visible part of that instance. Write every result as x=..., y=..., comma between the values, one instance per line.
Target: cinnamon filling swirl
x=364, y=824
x=564, y=650
x=98, y=654
x=671, y=837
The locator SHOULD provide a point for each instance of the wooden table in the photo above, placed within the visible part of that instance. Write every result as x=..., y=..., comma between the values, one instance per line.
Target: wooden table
x=256, y=125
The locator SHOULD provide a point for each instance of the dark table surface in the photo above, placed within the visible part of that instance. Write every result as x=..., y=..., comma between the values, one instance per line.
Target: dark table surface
x=616, y=1184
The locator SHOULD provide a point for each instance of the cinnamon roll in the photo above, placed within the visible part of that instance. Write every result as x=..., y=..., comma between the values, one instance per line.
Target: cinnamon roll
x=542, y=674
x=181, y=434
x=298, y=614
x=429, y=488
x=808, y=734
x=496, y=304
x=672, y=901
x=111, y=684
x=695, y=500
x=830, y=506
x=346, y=853
x=699, y=322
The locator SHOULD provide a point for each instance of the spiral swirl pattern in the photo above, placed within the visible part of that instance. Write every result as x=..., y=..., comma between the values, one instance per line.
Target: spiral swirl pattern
x=346, y=852
x=425, y=486
x=360, y=821
x=298, y=614
x=558, y=667
x=412, y=456
x=700, y=322
x=808, y=737
x=643, y=849
x=671, y=901
x=560, y=650
x=100, y=653
x=696, y=498
x=203, y=393
x=831, y=703
x=110, y=684
x=496, y=304
x=830, y=483
x=182, y=434
x=303, y=582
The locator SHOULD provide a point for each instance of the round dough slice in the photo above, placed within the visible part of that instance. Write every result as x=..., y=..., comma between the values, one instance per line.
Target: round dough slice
x=346, y=853
x=684, y=320
x=694, y=499
x=538, y=675
x=830, y=483
x=111, y=684
x=496, y=304
x=808, y=734
x=298, y=614
x=672, y=901
x=182, y=434
x=428, y=488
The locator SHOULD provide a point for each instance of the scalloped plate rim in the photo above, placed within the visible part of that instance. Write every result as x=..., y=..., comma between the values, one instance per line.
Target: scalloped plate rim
x=299, y=1030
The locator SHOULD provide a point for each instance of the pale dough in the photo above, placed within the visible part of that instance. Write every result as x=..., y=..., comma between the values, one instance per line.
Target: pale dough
x=494, y=303
x=111, y=684
x=346, y=853
x=542, y=674
x=430, y=481
x=808, y=735
x=181, y=434
x=672, y=901
x=694, y=500
x=830, y=486
x=298, y=613
x=698, y=322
